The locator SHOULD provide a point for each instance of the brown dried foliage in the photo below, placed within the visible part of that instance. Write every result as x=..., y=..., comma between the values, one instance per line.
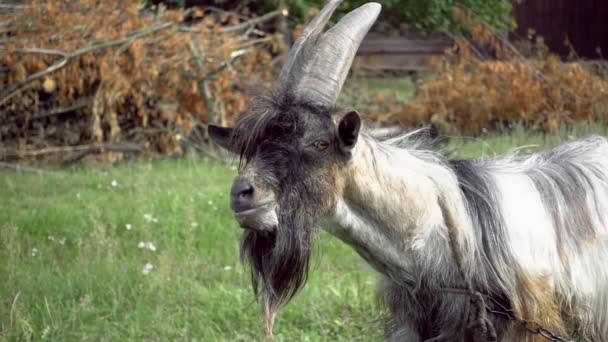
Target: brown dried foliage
x=130, y=76
x=468, y=94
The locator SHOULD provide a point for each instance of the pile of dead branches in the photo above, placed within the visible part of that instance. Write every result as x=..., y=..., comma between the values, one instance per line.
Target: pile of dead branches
x=111, y=79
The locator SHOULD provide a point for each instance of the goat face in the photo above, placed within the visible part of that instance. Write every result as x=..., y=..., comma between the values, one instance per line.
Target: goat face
x=289, y=154
x=292, y=154
x=293, y=145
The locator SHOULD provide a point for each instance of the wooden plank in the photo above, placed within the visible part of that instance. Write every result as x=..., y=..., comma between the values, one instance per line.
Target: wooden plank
x=409, y=53
x=380, y=62
x=403, y=45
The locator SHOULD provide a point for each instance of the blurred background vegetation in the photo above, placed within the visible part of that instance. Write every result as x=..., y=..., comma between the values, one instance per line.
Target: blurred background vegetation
x=426, y=15
x=89, y=80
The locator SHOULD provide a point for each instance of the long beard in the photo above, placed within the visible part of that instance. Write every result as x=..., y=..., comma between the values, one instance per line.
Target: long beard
x=279, y=260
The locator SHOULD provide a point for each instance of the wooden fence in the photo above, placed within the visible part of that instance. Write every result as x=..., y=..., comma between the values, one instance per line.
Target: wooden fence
x=584, y=23
x=408, y=52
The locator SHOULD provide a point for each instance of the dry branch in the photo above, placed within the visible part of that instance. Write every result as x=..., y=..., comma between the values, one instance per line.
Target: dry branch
x=94, y=148
x=203, y=89
x=90, y=77
x=80, y=103
x=11, y=7
x=21, y=168
x=252, y=22
x=66, y=56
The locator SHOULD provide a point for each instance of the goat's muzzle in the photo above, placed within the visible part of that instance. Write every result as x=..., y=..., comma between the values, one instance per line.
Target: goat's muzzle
x=251, y=211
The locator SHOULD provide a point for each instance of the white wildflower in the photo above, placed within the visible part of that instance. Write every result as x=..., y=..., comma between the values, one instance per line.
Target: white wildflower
x=128, y=226
x=146, y=245
x=151, y=246
x=154, y=220
x=61, y=241
x=147, y=268
x=210, y=202
x=227, y=268
x=233, y=168
x=34, y=251
x=114, y=183
x=148, y=217
x=45, y=333
x=194, y=224
x=51, y=238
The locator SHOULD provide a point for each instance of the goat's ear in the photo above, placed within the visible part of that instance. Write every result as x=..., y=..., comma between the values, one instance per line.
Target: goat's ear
x=221, y=136
x=348, y=131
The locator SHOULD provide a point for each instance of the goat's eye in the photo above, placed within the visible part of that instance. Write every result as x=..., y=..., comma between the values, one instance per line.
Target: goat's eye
x=320, y=145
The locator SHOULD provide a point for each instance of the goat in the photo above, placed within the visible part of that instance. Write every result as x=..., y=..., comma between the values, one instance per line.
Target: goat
x=525, y=238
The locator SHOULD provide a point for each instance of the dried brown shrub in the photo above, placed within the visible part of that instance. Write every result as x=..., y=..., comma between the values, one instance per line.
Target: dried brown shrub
x=468, y=94
x=87, y=72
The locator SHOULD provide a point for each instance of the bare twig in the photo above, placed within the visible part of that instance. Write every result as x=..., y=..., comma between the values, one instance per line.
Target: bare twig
x=202, y=83
x=198, y=59
x=234, y=55
x=219, y=10
x=184, y=28
x=80, y=103
x=252, y=22
x=20, y=168
x=254, y=42
x=11, y=7
x=94, y=148
x=150, y=131
x=115, y=148
x=471, y=46
x=41, y=51
x=66, y=56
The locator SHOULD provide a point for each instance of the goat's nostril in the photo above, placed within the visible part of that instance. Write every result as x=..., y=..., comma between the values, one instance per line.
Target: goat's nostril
x=247, y=191
x=241, y=194
x=242, y=187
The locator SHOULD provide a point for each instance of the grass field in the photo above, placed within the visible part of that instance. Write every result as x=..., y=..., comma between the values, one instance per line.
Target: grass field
x=71, y=266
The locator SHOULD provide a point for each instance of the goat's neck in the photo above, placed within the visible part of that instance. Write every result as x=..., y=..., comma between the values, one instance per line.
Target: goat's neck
x=392, y=209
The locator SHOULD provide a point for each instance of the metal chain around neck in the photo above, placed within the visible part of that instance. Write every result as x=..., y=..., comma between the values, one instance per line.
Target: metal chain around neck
x=529, y=326
x=477, y=322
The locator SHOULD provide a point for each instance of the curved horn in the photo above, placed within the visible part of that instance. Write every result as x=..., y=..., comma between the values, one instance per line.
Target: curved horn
x=300, y=52
x=333, y=55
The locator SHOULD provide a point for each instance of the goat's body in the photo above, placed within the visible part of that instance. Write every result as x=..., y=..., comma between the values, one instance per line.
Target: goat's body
x=533, y=233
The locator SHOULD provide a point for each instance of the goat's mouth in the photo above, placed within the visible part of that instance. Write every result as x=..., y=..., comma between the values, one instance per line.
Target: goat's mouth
x=262, y=217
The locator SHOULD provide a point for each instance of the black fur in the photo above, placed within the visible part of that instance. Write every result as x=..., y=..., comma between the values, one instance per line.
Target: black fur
x=276, y=116
x=480, y=194
x=274, y=135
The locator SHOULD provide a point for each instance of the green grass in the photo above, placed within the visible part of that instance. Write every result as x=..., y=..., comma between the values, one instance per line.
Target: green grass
x=86, y=282
x=92, y=286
